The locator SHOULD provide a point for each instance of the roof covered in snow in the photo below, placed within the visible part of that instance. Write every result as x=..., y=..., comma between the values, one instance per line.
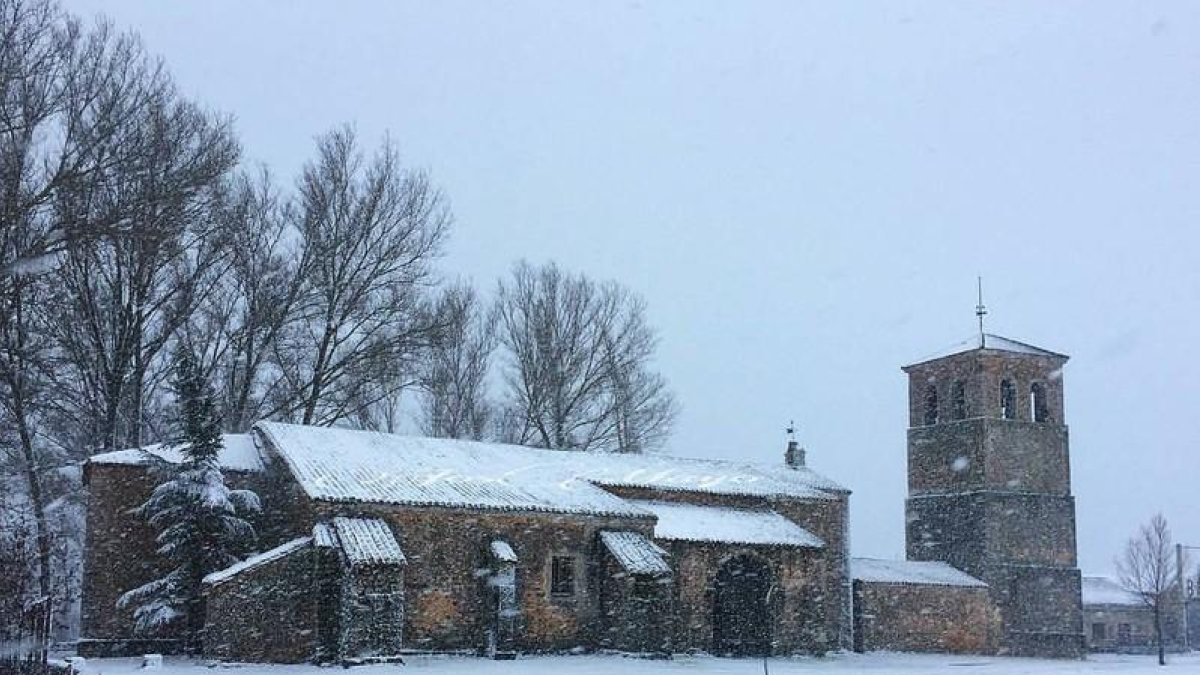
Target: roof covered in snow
x=873, y=570
x=691, y=522
x=367, y=541
x=360, y=466
x=238, y=454
x=1105, y=591
x=990, y=342
x=256, y=560
x=635, y=553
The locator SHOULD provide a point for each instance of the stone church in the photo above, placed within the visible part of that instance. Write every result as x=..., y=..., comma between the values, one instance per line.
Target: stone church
x=374, y=545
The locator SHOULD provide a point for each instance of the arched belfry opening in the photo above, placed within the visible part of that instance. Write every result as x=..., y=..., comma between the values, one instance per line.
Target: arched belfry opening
x=1039, y=407
x=741, y=607
x=1008, y=400
x=931, y=405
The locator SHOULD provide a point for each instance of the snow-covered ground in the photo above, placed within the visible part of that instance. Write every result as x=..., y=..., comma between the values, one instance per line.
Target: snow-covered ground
x=877, y=664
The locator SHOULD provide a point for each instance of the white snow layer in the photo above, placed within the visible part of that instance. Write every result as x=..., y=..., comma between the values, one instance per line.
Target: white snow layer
x=689, y=522
x=988, y=341
x=256, y=560
x=635, y=553
x=237, y=454
x=1105, y=591
x=368, y=541
x=361, y=466
x=502, y=551
x=873, y=570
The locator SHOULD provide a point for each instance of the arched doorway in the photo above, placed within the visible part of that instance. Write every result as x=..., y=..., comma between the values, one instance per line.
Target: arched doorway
x=741, y=615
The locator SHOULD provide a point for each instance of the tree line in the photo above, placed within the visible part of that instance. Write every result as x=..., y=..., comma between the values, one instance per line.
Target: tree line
x=131, y=227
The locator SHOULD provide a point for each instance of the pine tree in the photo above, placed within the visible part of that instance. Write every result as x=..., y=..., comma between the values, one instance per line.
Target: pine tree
x=200, y=519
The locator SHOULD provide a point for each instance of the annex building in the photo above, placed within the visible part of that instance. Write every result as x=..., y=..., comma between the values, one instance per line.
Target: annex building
x=374, y=544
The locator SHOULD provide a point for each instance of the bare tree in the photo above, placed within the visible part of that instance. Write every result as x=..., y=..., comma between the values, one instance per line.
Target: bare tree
x=455, y=368
x=124, y=295
x=370, y=230
x=253, y=300
x=1146, y=568
x=578, y=364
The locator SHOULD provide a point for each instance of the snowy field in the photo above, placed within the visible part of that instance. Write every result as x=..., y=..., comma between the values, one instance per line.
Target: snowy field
x=878, y=664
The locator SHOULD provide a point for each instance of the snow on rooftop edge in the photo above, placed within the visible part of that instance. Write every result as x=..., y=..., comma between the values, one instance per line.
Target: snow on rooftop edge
x=360, y=466
x=691, y=522
x=368, y=541
x=874, y=570
x=256, y=560
x=1105, y=591
x=238, y=453
x=987, y=341
x=635, y=553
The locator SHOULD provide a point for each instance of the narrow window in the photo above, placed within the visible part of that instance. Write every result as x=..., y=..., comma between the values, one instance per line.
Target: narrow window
x=1039, y=408
x=959, y=401
x=1097, y=632
x=1008, y=400
x=931, y=405
x=1124, y=634
x=562, y=575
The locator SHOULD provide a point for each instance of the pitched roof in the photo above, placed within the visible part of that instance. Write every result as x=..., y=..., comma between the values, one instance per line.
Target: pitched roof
x=988, y=341
x=367, y=541
x=635, y=553
x=238, y=453
x=873, y=570
x=690, y=522
x=1105, y=591
x=276, y=553
x=341, y=465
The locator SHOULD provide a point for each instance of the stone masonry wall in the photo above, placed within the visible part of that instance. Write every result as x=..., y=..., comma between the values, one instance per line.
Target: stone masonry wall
x=799, y=618
x=120, y=552
x=924, y=618
x=265, y=614
x=446, y=601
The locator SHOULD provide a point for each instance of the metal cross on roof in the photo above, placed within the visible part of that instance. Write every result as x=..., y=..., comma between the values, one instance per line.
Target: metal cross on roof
x=980, y=308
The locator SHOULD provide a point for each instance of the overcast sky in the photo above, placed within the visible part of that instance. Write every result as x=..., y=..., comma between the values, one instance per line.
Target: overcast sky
x=803, y=192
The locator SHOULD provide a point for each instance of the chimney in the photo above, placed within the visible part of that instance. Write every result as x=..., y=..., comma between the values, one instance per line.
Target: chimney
x=794, y=457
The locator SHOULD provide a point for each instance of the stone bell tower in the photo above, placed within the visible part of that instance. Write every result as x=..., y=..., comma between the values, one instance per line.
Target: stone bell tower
x=989, y=485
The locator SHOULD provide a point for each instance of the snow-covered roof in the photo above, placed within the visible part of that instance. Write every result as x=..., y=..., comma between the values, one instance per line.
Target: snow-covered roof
x=1105, y=591
x=256, y=560
x=238, y=453
x=874, y=570
x=691, y=522
x=990, y=342
x=342, y=465
x=367, y=541
x=324, y=536
x=503, y=552
x=635, y=553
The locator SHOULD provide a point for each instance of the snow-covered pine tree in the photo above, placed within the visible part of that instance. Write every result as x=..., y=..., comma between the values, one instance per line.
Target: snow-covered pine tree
x=201, y=522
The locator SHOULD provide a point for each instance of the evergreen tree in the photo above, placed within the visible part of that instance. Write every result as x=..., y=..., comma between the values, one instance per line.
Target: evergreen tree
x=200, y=519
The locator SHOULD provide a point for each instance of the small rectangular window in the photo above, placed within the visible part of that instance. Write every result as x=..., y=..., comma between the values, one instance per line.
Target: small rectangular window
x=562, y=575
x=1097, y=632
x=1124, y=634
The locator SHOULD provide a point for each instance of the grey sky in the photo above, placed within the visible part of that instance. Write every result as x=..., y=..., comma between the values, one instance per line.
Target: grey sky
x=804, y=193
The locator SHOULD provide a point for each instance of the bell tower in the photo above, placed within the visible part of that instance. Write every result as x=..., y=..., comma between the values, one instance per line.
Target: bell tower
x=989, y=484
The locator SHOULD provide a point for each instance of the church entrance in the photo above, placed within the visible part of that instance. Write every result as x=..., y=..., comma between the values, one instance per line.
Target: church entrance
x=741, y=614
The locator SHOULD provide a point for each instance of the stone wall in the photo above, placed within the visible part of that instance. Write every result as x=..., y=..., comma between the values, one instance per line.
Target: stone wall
x=120, y=552
x=267, y=613
x=637, y=611
x=446, y=597
x=924, y=618
x=799, y=620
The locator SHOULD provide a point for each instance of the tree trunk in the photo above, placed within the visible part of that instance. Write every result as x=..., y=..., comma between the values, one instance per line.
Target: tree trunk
x=1158, y=635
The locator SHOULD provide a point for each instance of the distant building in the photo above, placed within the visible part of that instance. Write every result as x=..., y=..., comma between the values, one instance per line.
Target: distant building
x=1116, y=620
